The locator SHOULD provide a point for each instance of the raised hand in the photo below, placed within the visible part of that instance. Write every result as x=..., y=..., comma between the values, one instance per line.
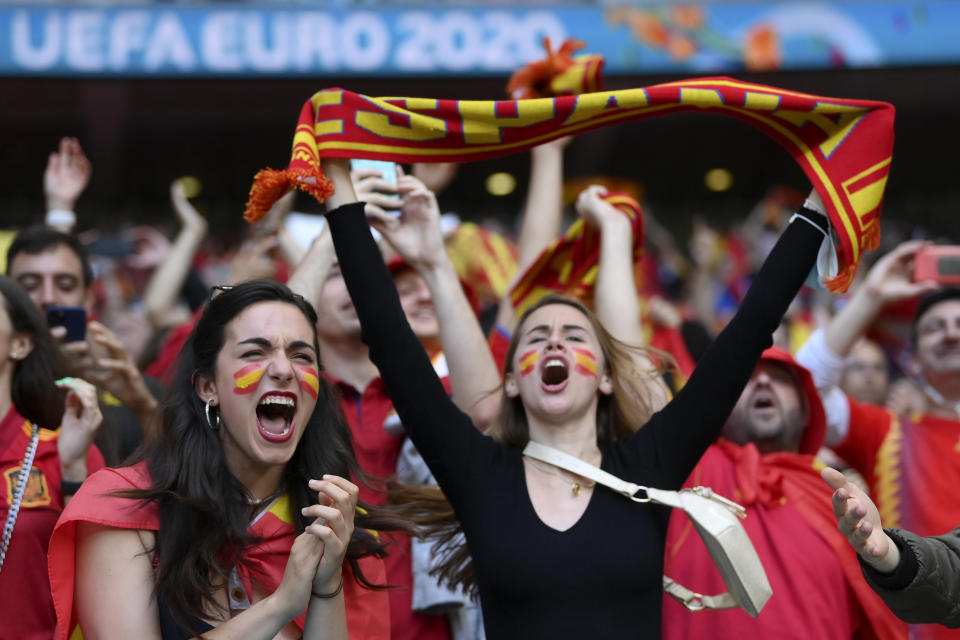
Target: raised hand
x=81, y=420
x=380, y=193
x=117, y=373
x=859, y=520
x=333, y=527
x=66, y=176
x=416, y=234
x=891, y=278
x=435, y=175
x=599, y=213
x=254, y=262
x=186, y=212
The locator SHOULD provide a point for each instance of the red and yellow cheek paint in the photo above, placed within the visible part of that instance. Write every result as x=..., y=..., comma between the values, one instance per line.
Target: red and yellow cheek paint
x=528, y=362
x=309, y=381
x=584, y=362
x=247, y=379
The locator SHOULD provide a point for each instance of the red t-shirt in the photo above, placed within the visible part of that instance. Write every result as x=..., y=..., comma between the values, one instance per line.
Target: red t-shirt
x=26, y=607
x=377, y=451
x=906, y=461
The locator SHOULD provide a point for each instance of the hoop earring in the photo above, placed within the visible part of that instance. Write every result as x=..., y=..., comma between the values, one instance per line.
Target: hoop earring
x=206, y=410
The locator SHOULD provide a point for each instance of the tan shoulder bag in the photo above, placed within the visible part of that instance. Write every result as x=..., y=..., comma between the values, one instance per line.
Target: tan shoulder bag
x=716, y=519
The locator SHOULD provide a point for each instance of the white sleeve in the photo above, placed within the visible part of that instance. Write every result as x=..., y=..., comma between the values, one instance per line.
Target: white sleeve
x=816, y=357
x=827, y=369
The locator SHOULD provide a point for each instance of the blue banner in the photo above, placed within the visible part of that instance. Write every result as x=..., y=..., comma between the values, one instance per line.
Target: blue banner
x=239, y=40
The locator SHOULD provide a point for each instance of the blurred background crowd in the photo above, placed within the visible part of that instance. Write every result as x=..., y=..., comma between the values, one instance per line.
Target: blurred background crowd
x=137, y=128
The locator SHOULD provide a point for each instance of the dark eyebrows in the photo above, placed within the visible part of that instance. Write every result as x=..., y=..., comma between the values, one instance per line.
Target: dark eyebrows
x=539, y=327
x=263, y=342
x=566, y=327
x=300, y=344
x=260, y=342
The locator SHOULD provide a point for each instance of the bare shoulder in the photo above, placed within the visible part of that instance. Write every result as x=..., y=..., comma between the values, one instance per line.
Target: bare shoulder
x=115, y=582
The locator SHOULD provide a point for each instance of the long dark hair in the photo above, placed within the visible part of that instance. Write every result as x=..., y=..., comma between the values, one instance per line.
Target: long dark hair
x=203, y=513
x=619, y=414
x=33, y=392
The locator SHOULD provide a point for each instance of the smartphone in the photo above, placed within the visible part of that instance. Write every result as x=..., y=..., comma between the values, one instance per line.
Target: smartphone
x=304, y=227
x=73, y=318
x=388, y=170
x=939, y=263
x=112, y=246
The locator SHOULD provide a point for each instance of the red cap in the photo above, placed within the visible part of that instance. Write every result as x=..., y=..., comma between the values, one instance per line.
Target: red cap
x=816, y=428
x=397, y=265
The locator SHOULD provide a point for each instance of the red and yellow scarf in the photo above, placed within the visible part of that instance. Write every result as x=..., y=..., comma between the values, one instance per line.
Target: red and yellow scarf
x=844, y=146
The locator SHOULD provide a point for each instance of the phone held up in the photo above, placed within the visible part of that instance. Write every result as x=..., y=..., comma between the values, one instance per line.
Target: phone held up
x=74, y=319
x=388, y=172
x=938, y=263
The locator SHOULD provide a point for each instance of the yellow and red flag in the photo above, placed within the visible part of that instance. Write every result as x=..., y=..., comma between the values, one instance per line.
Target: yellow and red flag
x=558, y=74
x=570, y=264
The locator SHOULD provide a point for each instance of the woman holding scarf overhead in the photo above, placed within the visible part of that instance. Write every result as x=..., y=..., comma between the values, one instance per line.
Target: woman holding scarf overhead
x=46, y=451
x=239, y=519
x=552, y=555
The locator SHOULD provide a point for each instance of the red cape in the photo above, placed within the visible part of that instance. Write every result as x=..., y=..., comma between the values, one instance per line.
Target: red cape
x=806, y=565
x=368, y=612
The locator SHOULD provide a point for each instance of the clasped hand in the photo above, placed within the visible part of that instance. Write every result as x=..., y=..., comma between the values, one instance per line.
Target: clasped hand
x=316, y=558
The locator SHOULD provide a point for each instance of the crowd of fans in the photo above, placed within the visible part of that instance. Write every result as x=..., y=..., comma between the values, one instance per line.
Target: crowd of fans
x=223, y=399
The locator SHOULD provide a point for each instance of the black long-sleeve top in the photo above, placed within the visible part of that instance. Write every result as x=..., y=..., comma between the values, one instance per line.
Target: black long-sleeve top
x=601, y=578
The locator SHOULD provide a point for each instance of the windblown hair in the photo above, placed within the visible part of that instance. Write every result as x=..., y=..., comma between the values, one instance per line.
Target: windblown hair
x=619, y=414
x=33, y=391
x=203, y=512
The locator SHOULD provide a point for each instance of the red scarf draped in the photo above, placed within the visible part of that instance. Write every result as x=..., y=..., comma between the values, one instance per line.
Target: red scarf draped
x=368, y=615
x=775, y=479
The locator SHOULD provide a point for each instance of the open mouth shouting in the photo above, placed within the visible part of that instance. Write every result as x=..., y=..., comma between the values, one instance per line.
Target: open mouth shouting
x=764, y=405
x=554, y=374
x=275, y=413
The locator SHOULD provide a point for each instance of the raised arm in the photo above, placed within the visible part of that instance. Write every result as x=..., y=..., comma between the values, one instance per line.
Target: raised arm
x=824, y=354
x=64, y=180
x=312, y=271
x=616, y=301
x=442, y=433
x=167, y=279
x=81, y=420
x=890, y=280
x=683, y=430
x=417, y=237
x=541, y=218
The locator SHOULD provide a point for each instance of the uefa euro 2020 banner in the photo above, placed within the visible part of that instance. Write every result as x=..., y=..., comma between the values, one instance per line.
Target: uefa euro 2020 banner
x=168, y=40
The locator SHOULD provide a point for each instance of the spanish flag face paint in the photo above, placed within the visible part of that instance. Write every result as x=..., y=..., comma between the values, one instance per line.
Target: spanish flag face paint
x=528, y=362
x=309, y=381
x=247, y=379
x=584, y=362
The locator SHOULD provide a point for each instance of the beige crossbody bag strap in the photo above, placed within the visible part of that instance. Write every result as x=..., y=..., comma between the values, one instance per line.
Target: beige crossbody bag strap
x=692, y=600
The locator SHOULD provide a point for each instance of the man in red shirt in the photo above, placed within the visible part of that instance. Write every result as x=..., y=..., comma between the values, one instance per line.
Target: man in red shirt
x=904, y=459
x=765, y=462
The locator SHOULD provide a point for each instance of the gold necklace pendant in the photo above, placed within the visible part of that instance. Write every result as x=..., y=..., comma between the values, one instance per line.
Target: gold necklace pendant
x=575, y=489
